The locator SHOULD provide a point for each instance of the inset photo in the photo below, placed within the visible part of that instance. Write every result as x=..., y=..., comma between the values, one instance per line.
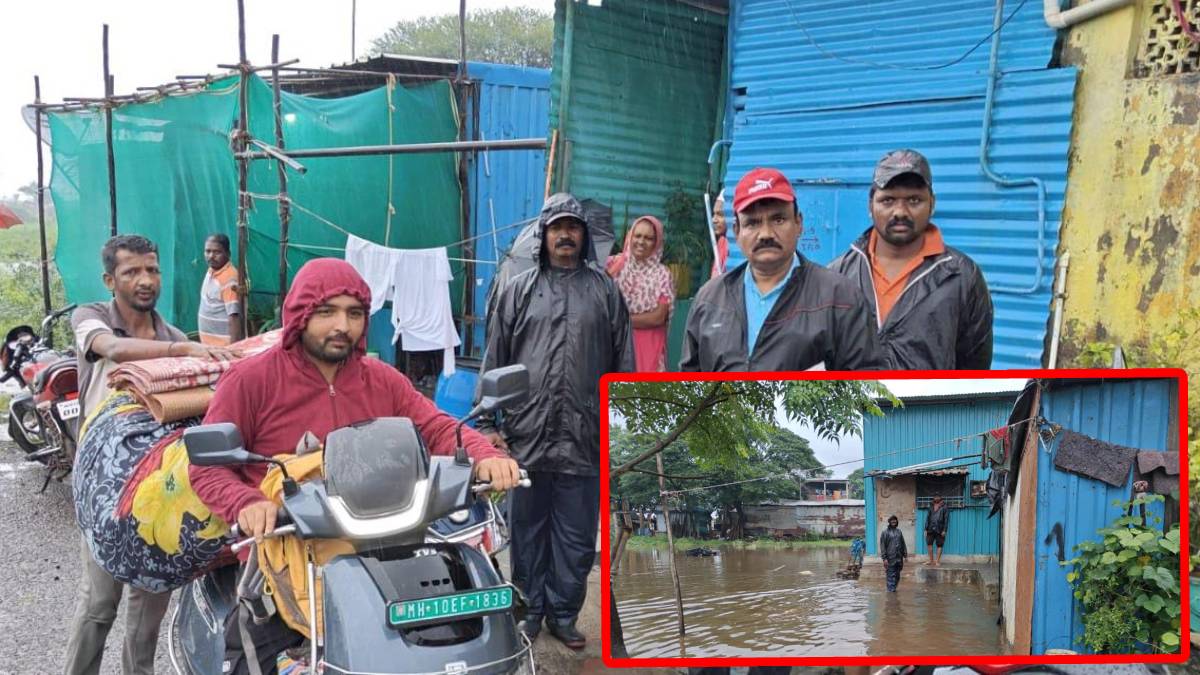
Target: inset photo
x=1029, y=514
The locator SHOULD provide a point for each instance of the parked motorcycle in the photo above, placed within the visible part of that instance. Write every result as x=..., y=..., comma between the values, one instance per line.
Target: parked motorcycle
x=43, y=416
x=421, y=594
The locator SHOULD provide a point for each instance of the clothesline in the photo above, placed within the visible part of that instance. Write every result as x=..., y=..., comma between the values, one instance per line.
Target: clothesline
x=335, y=249
x=672, y=493
x=325, y=221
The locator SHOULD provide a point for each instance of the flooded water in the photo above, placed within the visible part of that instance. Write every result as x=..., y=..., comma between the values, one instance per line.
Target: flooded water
x=789, y=603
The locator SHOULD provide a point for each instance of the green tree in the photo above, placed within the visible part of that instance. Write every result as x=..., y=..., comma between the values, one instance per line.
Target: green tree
x=856, y=484
x=518, y=36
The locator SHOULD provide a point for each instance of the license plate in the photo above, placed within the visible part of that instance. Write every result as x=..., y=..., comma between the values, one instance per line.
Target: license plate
x=68, y=410
x=446, y=607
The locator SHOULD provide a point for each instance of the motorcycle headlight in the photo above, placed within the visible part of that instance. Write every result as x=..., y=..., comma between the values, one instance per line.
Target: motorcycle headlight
x=460, y=517
x=30, y=422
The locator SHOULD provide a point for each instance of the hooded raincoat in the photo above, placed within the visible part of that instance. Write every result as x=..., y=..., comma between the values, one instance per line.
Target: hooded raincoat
x=276, y=396
x=820, y=318
x=943, y=318
x=568, y=327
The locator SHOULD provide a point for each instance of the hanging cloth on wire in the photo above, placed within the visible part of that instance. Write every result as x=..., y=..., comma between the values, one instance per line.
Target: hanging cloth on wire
x=417, y=282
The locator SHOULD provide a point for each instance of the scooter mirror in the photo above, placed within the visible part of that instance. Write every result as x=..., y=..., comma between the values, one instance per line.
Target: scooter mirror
x=503, y=387
x=217, y=445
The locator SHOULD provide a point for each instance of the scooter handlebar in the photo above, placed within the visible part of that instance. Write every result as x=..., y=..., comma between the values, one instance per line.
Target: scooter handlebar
x=484, y=486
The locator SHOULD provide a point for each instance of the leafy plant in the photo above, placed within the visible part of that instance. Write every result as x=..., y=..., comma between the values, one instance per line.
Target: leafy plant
x=685, y=233
x=1128, y=584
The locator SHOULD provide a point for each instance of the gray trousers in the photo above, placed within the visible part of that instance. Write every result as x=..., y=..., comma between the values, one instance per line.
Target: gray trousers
x=99, y=597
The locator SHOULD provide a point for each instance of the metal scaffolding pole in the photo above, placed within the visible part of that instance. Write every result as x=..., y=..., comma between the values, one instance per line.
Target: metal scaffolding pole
x=41, y=198
x=407, y=148
x=468, y=247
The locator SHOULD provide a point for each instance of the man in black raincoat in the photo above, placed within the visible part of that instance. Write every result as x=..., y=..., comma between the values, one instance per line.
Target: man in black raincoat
x=929, y=301
x=778, y=311
x=893, y=551
x=566, y=321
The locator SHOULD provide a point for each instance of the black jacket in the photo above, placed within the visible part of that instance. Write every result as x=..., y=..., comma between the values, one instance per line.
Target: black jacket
x=568, y=327
x=943, y=319
x=938, y=520
x=819, y=317
x=891, y=544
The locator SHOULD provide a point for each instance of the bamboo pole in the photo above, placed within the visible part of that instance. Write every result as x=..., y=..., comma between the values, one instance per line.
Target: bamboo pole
x=41, y=197
x=108, y=141
x=662, y=486
x=284, y=206
x=243, y=233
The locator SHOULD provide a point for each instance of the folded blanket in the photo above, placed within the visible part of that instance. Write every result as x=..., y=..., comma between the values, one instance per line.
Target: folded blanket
x=141, y=520
x=155, y=376
x=173, y=406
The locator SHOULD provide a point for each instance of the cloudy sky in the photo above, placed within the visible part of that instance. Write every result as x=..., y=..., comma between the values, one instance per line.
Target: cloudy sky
x=848, y=453
x=152, y=41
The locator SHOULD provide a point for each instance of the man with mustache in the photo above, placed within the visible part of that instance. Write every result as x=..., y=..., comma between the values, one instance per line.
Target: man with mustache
x=930, y=302
x=107, y=334
x=778, y=311
x=566, y=320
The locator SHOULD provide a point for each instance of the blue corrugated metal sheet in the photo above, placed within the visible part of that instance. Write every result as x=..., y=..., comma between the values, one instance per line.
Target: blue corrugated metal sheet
x=507, y=186
x=825, y=122
x=1133, y=413
x=919, y=433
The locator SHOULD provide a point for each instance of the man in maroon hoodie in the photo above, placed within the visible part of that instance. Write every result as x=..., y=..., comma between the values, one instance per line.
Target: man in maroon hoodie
x=317, y=380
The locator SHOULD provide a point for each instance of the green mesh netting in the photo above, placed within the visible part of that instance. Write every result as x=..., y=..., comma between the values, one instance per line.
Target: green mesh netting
x=177, y=183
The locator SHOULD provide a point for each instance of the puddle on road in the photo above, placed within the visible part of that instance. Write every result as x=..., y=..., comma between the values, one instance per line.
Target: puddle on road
x=747, y=603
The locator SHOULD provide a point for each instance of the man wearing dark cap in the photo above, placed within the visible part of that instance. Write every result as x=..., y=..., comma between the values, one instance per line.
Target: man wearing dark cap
x=929, y=301
x=893, y=551
x=778, y=311
x=566, y=321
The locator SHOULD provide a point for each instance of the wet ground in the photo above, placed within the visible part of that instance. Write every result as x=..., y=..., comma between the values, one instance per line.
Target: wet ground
x=789, y=603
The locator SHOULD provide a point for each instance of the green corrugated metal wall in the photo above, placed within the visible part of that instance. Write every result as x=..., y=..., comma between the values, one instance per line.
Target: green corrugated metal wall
x=643, y=97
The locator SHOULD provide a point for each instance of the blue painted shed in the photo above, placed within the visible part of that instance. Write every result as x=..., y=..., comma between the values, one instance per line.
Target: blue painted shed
x=822, y=89
x=911, y=454
x=506, y=187
x=1138, y=413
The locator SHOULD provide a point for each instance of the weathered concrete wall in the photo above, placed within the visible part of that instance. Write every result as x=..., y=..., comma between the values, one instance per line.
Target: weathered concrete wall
x=1132, y=215
x=896, y=497
x=830, y=520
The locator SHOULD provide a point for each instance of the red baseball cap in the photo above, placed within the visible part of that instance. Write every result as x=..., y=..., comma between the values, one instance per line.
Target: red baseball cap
x=762, y=183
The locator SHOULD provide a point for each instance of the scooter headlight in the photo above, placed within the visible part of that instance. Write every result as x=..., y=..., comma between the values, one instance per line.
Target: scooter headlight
x=460, y=517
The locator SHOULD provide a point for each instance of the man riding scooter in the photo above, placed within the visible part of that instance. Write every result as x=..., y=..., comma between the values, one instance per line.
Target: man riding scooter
x=316, y=380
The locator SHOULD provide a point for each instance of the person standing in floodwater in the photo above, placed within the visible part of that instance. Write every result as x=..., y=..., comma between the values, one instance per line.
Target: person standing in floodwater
x=893, y=551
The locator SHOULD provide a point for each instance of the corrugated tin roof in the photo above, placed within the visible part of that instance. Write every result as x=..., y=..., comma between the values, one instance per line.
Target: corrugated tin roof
x=1132, y=413
x=952, y=398
x=824, y=123
x=643, y=101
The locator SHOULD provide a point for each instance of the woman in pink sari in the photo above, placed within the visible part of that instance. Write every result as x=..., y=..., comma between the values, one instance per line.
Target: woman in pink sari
x=648, y=289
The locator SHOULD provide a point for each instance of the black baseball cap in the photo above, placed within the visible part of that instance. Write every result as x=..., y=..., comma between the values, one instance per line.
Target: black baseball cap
x=899, y=162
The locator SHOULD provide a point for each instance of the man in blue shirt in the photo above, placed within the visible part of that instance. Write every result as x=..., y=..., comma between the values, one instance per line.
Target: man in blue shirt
x=778, y=311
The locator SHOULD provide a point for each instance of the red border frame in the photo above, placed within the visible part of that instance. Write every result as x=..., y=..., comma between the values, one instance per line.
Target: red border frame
x=1177, y=374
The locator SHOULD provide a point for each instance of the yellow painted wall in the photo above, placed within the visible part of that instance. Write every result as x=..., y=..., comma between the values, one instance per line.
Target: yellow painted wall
x=1132, y=215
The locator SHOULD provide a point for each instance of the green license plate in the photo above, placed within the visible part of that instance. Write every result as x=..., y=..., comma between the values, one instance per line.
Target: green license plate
x=447, y=607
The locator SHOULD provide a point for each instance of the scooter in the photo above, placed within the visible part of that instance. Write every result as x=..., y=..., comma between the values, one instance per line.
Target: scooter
x=42, y=417
x=421, y=594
